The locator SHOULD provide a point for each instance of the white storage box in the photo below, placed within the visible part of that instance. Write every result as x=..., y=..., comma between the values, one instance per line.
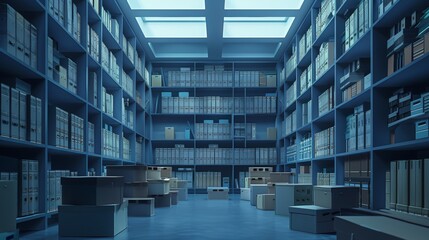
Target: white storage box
x=312, y=219
x=92, y=221
x=256, y=189
x=266, y=202
x=166, y=172
x=141, y=207
x=217, y=193
x=159, y=187
x=254, y=180
x=260, y=171
x=245, y=194
x=336, y=197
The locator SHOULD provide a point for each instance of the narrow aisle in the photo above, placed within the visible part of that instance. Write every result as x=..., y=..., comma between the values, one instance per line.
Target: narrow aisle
x=199, y=218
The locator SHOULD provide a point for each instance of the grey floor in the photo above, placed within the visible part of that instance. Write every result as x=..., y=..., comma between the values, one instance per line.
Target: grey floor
x=199, y=218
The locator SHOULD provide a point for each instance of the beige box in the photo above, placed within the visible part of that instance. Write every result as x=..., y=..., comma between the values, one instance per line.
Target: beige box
x=254, y=180
x=217, y=193
x=141, y=207
x=153, y=173
x=245, y=194
x=8, y=205
x=166, y=172
x=159, y=187
x=271, y=133
x=271, y=80
x=281, y=177
x=169, y=133
x=162, y=200
x=260, y=171
x=156, y=81
x=136, y=190
x=266, y=202
x=92, y=221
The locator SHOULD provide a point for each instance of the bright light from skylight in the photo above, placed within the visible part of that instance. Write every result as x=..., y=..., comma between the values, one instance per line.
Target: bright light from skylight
x=167, y=4
x=257, y=27
x=263, y=4
x=173, y=27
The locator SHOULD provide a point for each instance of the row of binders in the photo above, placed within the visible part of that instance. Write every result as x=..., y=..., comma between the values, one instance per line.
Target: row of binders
x=110, y=23
x=110, y=63
x=139, y=149
x=306, y=79
x=325, y=58
x=305, y=148
x=324, y=144
x=127, y=113
x=61, y=69
x=292, y=62
x=407, y=186
x=306, y=112
x=93, y=44
x=107, y=102
x=18, y=37
x=357, y=24
x=291, y=153
x=305, y=43
x=29, y=194
x=213, y=131
x=216, y=104
x=208, y=179
x=67, y=14
x=126, y=152
x=358, y=129
x=215, y=156
x=326, y=179
x=110, y=142
x=324, y=15
x=21, y=113
x=128, y=49
x=185, y=174
x=291, y=94
x=326, y=101
x=69, y=129
x=127, y=83
x=245, y=131
x=357, y=173
x=54, y=190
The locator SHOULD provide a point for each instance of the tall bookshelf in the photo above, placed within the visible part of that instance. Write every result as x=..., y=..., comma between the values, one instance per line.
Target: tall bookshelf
x=43, y=79
x=221, y=87
x=383, y=142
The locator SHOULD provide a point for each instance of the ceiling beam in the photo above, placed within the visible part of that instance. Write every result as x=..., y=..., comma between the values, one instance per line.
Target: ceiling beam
x=214, y=21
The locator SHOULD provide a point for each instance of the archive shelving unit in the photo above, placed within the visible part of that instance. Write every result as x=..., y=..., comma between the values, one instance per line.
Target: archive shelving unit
x=52, y=94
x=386, y=142
x=181, y=121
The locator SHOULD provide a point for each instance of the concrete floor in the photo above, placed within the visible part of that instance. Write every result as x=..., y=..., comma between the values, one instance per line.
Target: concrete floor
x=199, y=218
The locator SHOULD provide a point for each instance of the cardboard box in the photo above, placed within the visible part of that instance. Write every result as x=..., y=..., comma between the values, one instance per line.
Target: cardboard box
x=141, y=207
x=281, y=177
x=182, y=193
x=8, y=205
x=260, y=171
x=292, y=195
x=92, y=221
x=166, y=172
x=156, y=81
x=158, y=187
x=162, y=200
x=271, y=133
x=153, y=173
x=136, y=190
x=336, y=197
x=256, y=189
x=92, y=190
x=271, y=188
x=266, y=201
x=182, y=184
x=312, y=219
x=217, y=193
x=254, y=180
x=245, y=194
x=131, y=173
x=174, y=197
x=271, y=80
x=169, y=133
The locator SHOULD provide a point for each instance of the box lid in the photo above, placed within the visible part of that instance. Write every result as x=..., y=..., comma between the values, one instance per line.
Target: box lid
x=293, y=184
x=165, y=180
x=131, y=167
x=312, y=210
x=329, y=188
x=136, y=183
x=92, y=180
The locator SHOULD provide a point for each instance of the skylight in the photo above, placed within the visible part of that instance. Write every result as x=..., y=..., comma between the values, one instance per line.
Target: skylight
x=179, y=50
x=173, y=27
x=167, y=4
x=263, y=5
x=256, y=27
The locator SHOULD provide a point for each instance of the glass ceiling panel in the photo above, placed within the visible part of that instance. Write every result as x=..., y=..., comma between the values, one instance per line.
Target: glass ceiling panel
x=263, y=4
x=173, y=27
x=167, y=4
x=264, y=27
